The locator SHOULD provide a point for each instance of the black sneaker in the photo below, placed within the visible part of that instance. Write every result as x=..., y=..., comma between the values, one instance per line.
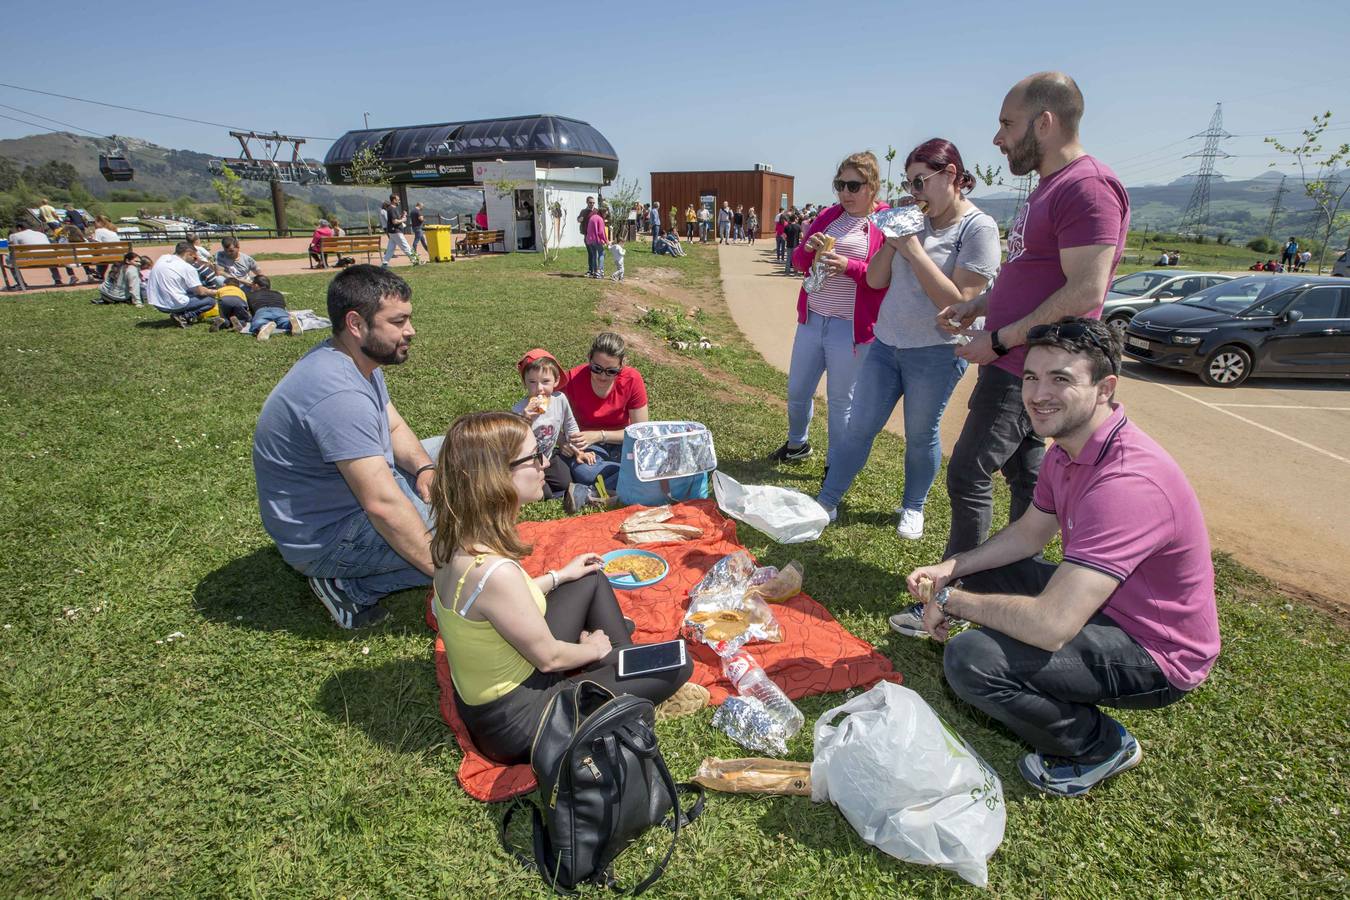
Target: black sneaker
x=346, y=612
x=180, y=320
x=219, y=323
x=788, y=453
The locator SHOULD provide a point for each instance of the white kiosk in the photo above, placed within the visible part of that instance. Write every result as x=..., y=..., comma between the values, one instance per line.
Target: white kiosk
x=522, y=199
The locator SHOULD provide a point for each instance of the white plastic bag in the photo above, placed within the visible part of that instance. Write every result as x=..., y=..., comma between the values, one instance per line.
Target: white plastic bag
x=908, y=784
x=787, y=516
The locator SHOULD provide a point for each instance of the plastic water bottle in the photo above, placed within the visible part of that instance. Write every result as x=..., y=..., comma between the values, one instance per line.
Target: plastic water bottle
x=750, y=680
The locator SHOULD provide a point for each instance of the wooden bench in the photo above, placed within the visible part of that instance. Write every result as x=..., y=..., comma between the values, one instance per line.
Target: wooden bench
x=55, y=256
x=348, y=245
x=473, y=241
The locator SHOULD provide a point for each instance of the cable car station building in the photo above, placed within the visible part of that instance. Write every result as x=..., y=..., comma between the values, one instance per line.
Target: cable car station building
x=524, y=166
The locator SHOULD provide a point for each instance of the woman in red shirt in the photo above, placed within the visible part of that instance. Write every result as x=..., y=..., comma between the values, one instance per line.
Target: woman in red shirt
x=606, y=398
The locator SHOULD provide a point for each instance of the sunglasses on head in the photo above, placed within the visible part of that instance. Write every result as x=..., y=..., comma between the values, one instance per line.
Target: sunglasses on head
x=1072, y=331
x=601, y=370
x=840, y=185
x=915, y=184
x=537, y=457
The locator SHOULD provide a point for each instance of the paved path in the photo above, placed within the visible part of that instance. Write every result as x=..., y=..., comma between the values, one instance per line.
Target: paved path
x=1270, y=460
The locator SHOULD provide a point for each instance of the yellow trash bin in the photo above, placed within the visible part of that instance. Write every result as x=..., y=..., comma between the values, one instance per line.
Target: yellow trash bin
x=441, y=240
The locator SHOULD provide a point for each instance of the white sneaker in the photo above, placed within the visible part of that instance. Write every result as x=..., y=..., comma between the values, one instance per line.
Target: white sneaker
x=832, y=512
x=911, y=525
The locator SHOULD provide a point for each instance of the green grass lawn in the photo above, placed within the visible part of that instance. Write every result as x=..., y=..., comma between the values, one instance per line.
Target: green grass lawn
x=266, y=753
x=1141, y=253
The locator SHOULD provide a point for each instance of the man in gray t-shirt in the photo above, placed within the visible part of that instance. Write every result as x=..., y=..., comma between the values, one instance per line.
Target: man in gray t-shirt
x=236, y=265
x=343, y=483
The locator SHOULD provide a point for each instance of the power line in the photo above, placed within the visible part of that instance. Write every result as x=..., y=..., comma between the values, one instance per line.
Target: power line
x=148, y=112
x=28, y=123
x=50, y=119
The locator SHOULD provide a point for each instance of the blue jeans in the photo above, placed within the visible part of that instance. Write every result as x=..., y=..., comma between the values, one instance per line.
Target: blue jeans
x=703, y=232
x=271, y=314
x=362, y=558
x=195, y=307
x=595, y=258
x=779, y=245
x=724, y=230
x=606, y=466
x=823, y=346
x=925, y=377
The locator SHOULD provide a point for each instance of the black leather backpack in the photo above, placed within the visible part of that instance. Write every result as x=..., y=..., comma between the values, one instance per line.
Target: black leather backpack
x=602, y=783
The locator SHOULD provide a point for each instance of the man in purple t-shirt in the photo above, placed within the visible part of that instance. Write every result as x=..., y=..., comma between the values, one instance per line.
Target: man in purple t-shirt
x=1062, y=251
x=1127, y=620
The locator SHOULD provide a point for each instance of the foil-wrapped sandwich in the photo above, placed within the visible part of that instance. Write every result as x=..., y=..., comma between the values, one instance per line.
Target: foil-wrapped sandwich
x=899, y=221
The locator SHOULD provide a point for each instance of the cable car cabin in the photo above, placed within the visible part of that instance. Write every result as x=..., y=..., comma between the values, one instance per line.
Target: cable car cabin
x=115, y=168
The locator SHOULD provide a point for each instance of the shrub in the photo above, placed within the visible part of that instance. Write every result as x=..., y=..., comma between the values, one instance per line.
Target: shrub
x=1261, y=245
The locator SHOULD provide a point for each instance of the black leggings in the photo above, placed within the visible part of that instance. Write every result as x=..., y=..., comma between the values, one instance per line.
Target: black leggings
x=503, y=729
x=558, y=478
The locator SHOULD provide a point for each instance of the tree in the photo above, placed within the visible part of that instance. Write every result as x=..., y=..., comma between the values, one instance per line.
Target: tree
x=367, y=169
x=52, y=175
x=183, y=206
x=231, y=194
x=9, y=174
x=1329, y=182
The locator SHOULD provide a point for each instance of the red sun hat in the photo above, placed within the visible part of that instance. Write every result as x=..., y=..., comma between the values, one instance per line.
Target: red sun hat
x=537, y=354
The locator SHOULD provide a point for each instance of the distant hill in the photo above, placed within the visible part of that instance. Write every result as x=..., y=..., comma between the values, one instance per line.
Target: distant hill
x=1240, y=209
x=178, y=173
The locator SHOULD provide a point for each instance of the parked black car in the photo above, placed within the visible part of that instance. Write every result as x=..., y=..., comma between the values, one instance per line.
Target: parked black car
x=1291, y=326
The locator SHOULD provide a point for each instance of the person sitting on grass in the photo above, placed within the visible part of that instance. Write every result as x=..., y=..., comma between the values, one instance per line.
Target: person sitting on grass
x=606, y=397
x=1127, y=620
x=267, y=311
x=121, y=282
x=176, y=288
x=344, y=485
x=234, y=264
x=511, y=638
x=550, y=416
x=206, y=269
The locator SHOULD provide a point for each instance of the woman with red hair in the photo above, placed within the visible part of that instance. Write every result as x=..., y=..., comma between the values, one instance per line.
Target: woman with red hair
x=953, y=259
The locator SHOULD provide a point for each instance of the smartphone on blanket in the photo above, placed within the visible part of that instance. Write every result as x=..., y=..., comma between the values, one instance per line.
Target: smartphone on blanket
x=647, y=659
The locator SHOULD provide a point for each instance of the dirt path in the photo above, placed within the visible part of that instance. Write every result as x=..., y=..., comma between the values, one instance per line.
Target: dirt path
x=1270, y=460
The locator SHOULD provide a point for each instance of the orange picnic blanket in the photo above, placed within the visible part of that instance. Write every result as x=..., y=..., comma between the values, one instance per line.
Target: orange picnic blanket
x=816, y=655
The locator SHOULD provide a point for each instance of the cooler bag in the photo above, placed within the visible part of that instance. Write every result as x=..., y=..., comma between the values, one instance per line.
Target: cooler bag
x=664, y=462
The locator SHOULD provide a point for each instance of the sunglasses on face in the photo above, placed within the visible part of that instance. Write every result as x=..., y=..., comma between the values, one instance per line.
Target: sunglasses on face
x=601, y=370
x=840, y=185
x=1071, y=331
x=915, y=184
x=537, y=458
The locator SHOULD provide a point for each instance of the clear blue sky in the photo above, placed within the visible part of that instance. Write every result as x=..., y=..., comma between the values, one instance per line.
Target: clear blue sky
x=693, y=85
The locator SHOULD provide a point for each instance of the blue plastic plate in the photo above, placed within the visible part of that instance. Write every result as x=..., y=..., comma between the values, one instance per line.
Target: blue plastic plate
x=627, y=581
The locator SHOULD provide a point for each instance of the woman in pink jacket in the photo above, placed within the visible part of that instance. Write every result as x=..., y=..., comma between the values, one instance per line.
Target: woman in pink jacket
x=834, y=323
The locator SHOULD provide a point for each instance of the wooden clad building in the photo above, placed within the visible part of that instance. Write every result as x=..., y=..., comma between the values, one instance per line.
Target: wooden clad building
x=767, y=191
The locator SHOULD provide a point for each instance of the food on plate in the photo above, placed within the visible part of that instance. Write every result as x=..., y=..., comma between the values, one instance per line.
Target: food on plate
x=641, y=568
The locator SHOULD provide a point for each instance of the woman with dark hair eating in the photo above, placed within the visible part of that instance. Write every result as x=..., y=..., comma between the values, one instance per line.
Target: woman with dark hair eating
x=952, y=259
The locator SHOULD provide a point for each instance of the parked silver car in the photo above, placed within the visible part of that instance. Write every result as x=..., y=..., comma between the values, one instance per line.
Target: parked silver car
x=1141, y=290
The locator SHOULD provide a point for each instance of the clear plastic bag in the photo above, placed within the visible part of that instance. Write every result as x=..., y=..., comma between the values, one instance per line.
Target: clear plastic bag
x=774, y=585
x=908, y=783
x=785, y=515
x=723, y=613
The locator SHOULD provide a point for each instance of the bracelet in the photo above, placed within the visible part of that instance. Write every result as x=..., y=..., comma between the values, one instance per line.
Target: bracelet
x=553, y=587
x=426, y=468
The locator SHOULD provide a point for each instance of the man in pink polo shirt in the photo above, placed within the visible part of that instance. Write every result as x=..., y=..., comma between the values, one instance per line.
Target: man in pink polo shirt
x=1128, y=620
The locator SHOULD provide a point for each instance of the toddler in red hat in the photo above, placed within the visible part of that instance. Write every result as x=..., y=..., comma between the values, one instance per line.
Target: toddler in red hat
x=550, y=415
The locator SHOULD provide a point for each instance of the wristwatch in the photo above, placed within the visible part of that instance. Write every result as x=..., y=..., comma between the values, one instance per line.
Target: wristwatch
x=996, y=344
x=941, y=598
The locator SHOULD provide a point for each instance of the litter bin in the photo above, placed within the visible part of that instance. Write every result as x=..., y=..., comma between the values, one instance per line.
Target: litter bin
x=441, y=240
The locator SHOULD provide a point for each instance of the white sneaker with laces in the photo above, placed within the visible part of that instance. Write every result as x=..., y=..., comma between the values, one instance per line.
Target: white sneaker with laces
x=911, y=524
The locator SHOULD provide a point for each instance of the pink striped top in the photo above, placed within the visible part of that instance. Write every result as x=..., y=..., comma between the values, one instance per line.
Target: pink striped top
x=835, y=297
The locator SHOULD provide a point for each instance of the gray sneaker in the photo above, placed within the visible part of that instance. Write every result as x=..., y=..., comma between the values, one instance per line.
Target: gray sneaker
x=346, y=612
x=1067, y=778
x=909, y=621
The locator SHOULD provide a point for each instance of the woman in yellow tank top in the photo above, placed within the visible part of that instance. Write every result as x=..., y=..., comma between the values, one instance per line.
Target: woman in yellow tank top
x=510, y=638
